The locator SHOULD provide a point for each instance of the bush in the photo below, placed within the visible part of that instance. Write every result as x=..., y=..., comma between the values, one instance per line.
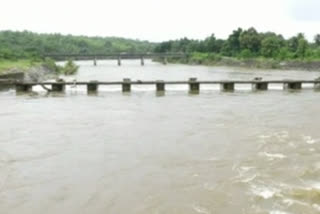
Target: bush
x=70, y=68
x=51, y=65
x=245, y=54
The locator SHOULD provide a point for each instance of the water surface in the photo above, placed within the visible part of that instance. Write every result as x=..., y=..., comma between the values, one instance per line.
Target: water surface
x=242, y=152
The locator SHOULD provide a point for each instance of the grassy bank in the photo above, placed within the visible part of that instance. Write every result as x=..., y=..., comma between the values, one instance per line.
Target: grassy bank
x=257, y=62
x=24, y=65
x=11, y=65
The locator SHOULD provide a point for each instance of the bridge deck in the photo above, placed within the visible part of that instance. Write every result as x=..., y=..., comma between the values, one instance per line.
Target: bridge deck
x=194, y=85
x=138, y=82
x=115, y=56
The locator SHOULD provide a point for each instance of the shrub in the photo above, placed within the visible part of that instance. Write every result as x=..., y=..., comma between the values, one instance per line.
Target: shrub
x=70, y=68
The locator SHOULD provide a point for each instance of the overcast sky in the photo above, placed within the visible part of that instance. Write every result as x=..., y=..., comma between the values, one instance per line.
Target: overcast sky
x=158, y=20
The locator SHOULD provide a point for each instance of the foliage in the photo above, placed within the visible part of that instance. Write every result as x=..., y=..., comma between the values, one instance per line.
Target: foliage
x=70, y=68
x=27, y=45
x=202, y=58
x=270, y=46
x=245, y=54
x=241, y=43
x=15, y=64
x=251, y=40
x=231, y=46
x=302, y=48
x=317, y=39
x=246, y=44
x=51, y=65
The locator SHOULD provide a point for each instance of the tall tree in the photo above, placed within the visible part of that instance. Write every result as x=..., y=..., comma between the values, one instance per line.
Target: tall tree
x=293, y=42
x=251, y=40
x=232, y=46
x=302, y=47
x=270, y=46
x=317, y=39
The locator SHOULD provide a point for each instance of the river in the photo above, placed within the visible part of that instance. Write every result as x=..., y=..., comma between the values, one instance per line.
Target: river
x=243, y=152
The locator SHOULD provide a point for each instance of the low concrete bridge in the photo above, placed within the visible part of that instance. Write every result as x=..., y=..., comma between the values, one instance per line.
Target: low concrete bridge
x=194, y=84
x=95, y=57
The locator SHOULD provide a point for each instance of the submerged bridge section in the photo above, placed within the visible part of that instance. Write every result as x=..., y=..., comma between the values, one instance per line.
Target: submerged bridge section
x=119, y=57
x=194, y=84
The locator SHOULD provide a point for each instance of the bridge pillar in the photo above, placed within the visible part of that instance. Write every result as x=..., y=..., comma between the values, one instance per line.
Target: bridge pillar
x=260, y=86
x=317, y=85
x=160, y=86
x=227, y=86
x=126, y=85
x=95, y=61
x=194, y=86
x=58, y=86
x=92, y=86
x=142, y=61
x=21, y=87
x=119, y=61
x=293, y=85
x=165, y=60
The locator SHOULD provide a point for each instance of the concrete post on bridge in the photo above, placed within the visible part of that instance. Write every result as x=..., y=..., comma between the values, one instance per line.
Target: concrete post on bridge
x=59, y=86
x=21, y=87
x=119, y=60
x=293, y=85
x=194, y=86
x=142, y=61
x=160, y=86
x=317, y=85
x=259, y=86
x=227, y=86
x=165, y=60
x=126, y=85
x=95, y=61
x=92, y=87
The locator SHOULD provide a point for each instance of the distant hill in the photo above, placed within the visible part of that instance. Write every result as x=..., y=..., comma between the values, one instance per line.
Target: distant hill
x=18, y=45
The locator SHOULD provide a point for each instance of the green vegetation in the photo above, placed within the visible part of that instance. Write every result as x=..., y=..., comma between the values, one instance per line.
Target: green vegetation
x=25, y=64
x=51, y=65
x=21, y=45
x=243, y=45
x=70, y=68
x=22, y=50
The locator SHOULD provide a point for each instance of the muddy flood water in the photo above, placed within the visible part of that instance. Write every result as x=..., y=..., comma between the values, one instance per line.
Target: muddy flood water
x=243, y=152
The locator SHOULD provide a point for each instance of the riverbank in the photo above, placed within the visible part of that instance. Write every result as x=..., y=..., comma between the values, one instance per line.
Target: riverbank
x=261, y=63
x=35, y=70
x=12, y=66
x=26, y=70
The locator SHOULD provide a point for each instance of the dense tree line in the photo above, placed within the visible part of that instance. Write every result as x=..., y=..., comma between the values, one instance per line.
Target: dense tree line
x=240, y=43
x=247, y=44
x=17, y=45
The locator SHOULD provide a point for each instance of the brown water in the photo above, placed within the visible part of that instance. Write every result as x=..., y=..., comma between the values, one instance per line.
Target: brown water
x=243, y=152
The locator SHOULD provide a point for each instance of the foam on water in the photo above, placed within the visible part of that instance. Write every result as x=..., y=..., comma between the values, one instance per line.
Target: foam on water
x=272, y=156
x=278, y=212
x=309, y=140
x=200, y=209
x=264, y=192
